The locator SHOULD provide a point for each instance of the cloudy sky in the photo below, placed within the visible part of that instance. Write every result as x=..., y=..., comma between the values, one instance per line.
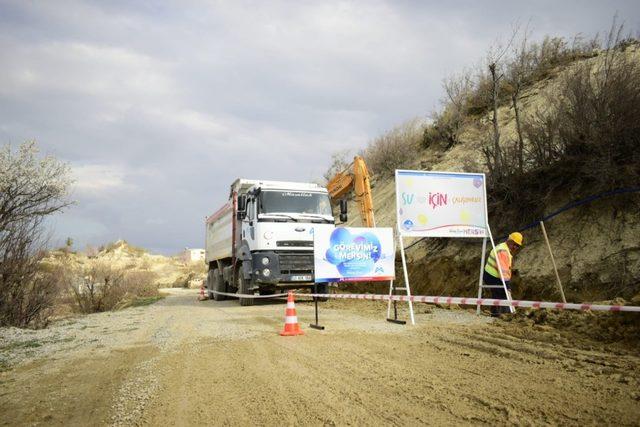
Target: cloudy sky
x=159, y=106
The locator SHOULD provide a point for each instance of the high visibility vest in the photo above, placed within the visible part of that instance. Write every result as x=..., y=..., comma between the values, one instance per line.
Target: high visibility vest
x=492, y=264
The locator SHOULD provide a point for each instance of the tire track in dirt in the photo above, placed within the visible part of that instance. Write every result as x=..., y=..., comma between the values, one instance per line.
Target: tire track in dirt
x=215, y=363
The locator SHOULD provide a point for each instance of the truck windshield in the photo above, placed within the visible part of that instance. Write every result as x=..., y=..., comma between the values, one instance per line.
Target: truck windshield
x=300, y=202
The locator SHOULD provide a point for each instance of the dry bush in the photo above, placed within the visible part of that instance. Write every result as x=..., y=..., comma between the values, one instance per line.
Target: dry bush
x=541, y=129
x=445, y=129
x=28, y=290
x=599, y=120
x=396, y=148
x=192, y=271
x=141, y=283
x=526, y=64
x=340, y=160
x=584, y=138
x=448, y=123
x=99, y=285
x=591, y=128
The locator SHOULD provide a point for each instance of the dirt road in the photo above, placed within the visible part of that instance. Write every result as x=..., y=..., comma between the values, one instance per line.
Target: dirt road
x=180, y=362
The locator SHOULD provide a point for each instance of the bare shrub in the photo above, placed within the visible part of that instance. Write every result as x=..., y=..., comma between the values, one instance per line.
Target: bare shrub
x=445, y=128
x=141, y=283
x=522, y=63
x=592, y=125
x=599, y=120
x=584, y=138
x=340, y=160
x=542, y=130
x=28, y=291
x=192, y=271
x=98, y=286
x=396, y=148
x=448, y=123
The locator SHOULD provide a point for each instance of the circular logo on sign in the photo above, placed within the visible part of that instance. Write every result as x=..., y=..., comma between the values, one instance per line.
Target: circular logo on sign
x=408, y=224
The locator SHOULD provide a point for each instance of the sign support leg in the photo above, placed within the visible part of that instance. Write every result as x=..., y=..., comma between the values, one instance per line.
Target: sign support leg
x=406, y=278
x=395, y=319
x=504, y=285
x=315, y=299
x=482, y=259
x=389, y=302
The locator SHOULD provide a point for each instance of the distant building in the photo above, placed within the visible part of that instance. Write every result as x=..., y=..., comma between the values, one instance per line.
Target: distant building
x=192, y=255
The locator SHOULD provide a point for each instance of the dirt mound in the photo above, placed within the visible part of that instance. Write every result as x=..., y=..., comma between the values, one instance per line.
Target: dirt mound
x=603, y=327
x=168, y=271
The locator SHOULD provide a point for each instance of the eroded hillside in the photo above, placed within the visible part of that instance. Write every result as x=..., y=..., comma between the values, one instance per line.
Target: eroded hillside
x=596, y=245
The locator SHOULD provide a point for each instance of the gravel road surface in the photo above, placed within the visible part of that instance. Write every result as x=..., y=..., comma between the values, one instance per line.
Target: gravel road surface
x=184, y=362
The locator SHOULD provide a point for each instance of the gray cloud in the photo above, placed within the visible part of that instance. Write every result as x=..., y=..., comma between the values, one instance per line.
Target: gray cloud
x=158, y=107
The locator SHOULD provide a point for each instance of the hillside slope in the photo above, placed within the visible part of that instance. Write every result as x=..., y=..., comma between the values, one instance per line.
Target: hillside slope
x=596, y=246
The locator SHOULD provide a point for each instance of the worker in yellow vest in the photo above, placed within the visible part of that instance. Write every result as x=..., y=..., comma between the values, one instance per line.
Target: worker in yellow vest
x=501, y=257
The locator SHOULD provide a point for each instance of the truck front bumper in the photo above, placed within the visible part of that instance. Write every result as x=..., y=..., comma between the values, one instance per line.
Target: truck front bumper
x=282, y=267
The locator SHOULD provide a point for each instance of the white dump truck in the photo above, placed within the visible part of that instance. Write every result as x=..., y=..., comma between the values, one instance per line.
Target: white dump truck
x=261, y=240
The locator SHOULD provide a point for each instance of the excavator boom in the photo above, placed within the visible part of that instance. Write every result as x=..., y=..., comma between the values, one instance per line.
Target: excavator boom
x=356, y=177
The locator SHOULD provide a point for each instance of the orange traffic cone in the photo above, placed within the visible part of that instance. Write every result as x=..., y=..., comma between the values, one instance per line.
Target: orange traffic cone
x=291, y=325
x=202, y=296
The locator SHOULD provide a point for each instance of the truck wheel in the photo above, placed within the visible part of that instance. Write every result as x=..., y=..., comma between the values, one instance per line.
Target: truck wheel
x=243, y=288
x=218, y=285
x=210, y=283
x=323, y=288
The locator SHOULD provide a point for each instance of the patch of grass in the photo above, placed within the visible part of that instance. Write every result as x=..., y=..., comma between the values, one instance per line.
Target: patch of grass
x=21, y=344
x=4, y=366
x=142, y=301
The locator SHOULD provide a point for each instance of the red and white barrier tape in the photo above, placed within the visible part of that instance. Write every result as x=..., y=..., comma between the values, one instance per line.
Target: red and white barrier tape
x=227, y=294
x=479, y=301
x=455, y=301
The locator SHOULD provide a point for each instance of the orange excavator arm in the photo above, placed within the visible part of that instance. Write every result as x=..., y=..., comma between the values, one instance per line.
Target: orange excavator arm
x=356, y=177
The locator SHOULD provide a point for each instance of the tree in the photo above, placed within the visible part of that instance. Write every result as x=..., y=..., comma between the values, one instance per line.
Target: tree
x=494, y=154
x=31, y=188
x=518, y=70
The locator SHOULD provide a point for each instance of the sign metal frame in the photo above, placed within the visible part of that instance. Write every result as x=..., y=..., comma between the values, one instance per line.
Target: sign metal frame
x=402, y=233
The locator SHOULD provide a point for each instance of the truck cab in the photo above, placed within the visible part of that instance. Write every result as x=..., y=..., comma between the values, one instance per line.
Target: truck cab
x=271, y=238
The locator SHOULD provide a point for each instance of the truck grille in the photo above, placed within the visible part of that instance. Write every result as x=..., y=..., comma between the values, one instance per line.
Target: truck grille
x=296, y=263
x=298, y=243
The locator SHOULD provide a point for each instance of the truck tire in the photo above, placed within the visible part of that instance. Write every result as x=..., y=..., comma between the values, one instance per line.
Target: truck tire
x=218, y=285
x=323, y=288
x=243, y=288
x=210, y=283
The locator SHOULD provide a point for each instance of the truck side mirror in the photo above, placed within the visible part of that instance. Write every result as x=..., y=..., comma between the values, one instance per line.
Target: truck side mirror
x=343, y=210
x=242, y=207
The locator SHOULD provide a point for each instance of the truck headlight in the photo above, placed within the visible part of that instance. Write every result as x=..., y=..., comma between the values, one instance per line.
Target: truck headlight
x=266, y=272
x=265, y=260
